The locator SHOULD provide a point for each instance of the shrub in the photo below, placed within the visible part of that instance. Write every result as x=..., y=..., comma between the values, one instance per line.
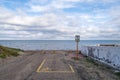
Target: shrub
x=2, y=55
x=5, y=52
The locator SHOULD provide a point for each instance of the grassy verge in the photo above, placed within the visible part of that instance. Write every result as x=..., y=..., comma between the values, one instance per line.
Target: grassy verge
x=118, y=74
x=91, y=61
x=98, y=63
x=75, y=58
x=5, y=52
x=102, y=66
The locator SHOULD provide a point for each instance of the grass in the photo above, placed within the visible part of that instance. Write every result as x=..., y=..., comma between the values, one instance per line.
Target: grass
x=118, y=74
x=75, y=58
x=6, y=52
x=91, y=61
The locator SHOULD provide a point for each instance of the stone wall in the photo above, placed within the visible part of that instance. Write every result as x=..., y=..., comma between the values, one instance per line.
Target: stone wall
x=106, y=54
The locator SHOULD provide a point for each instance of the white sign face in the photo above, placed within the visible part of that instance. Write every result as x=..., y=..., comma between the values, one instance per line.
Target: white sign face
x=77, y=38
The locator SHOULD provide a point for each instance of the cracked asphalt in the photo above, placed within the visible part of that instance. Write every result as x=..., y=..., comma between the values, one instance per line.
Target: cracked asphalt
x=51, y=65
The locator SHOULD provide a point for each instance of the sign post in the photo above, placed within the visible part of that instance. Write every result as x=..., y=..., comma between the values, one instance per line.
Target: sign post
x=77, y=39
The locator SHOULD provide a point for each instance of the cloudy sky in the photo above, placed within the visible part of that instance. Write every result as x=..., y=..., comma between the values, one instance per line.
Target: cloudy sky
x=59, y=19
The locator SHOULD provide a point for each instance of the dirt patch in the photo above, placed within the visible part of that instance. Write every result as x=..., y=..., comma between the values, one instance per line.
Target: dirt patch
x=88, y=69
x=28, y=62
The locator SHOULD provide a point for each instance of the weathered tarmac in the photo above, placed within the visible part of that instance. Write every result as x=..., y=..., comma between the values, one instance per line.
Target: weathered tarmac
x=51, y=65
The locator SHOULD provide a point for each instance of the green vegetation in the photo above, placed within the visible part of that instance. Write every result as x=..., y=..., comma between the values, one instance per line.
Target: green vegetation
x=97, y=63
x=75, y=58
x=91, y=61
x=118, y=74
x=5, y=52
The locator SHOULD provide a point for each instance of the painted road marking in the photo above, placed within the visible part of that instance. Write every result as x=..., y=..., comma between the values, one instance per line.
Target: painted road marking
x=48, y=70
x=38, y=70
x=71, y=68
x=56, y=71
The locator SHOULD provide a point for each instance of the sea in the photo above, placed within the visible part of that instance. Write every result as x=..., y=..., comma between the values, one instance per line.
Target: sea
x=53, y=44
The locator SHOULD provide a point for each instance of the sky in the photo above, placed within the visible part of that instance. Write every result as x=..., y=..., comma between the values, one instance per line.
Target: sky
x=59, y=19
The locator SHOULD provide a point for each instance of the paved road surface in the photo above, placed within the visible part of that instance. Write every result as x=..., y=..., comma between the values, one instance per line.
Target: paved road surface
x=39, y=65
x=52, y=65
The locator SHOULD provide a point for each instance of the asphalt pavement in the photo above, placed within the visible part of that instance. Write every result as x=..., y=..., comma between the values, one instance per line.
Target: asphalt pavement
x=39, y=65
x=53, y=65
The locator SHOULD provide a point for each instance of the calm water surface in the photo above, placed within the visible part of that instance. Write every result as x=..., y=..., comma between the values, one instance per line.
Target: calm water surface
x=52, y=44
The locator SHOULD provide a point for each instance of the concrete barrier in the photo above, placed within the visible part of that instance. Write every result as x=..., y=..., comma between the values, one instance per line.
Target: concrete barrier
x=107, y=54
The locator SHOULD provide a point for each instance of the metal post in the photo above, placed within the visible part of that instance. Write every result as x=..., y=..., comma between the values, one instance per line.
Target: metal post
x=77, y=50
x=77, y=39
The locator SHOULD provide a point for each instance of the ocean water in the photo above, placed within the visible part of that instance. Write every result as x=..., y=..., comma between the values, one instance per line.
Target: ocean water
x=52, y=44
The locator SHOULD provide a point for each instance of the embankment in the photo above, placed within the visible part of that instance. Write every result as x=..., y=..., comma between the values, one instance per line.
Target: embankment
x=6, y=51
x=109, y=55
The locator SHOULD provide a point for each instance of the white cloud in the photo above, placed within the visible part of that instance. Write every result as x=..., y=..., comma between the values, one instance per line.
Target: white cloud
x=52, y=21
x=110, y=1
x=55, y=5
